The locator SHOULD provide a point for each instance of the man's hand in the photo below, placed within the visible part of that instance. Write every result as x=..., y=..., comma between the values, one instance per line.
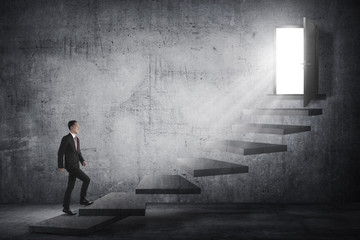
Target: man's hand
x=62, y=169
x=84, y=163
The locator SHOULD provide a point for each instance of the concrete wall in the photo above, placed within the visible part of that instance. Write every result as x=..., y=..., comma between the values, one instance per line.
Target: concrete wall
x=150, y=81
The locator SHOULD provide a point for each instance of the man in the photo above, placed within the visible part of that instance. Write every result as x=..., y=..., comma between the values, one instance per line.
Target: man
x=70, y=146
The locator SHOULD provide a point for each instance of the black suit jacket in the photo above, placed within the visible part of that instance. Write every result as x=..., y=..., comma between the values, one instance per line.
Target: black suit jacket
x=72, y=157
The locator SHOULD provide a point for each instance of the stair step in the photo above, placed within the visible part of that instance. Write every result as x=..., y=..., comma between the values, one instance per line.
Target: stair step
x=270, y=128
x=72, y=225
x=284, y=111
x=248, y=148
x=116, y=204
x=294, y=96
x=166, y=184
x=199, y=167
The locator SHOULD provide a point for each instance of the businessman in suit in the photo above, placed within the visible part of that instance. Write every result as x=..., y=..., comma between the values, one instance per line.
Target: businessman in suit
x=70, y=147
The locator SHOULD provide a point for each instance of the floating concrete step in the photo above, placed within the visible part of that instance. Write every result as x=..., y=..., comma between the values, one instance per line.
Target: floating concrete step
x=199, y=167
x=284, y=111
x=248, y=148
x=294, y=96
x=270, y=128
x=116, y=204
x=72, y=225
x=166, y=184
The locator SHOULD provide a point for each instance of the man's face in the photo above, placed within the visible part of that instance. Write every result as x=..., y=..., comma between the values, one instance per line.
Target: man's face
x=75, y=128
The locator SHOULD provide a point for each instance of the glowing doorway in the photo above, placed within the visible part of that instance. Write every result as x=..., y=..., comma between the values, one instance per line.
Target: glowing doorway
x=289, y=60
x=297, y=67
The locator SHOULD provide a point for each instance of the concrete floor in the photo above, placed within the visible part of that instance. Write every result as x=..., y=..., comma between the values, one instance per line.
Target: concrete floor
x=205, y=221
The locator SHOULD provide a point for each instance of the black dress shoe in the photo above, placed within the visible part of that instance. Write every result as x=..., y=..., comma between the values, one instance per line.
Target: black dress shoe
x=68, y=211
x=86, y=202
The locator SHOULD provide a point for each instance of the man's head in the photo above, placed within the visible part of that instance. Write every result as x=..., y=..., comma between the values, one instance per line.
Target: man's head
x=74, y=126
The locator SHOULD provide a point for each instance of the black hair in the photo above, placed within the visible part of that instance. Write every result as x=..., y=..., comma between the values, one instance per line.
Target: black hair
x=71, y=123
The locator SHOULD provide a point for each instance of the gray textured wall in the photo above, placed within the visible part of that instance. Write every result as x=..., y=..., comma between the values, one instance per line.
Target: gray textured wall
x=150, y=81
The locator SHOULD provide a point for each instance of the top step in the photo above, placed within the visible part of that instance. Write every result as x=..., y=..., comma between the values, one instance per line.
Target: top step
x=294, y=96
x=285, y=111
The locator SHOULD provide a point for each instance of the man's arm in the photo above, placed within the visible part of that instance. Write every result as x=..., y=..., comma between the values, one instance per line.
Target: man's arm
x=61, y=152
x=82, y=160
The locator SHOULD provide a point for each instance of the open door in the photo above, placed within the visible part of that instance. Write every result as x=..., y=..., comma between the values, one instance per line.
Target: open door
x=311, y=71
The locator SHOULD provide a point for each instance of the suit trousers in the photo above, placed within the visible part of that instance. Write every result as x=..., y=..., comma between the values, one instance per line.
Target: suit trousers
x=73, y=174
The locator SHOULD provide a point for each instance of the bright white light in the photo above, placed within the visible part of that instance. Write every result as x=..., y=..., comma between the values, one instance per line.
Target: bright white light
x=289, y=61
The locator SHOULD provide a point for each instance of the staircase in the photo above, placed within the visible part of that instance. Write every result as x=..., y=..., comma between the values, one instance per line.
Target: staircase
x=116, y=206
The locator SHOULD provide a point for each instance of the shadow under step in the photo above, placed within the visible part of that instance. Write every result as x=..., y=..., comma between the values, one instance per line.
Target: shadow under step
x=166, y=184
x=270, y=128
x=294, y=96
x=248, y=148
x=73, y=225
x=116, y=204
x=200, y=167
x=285, y=111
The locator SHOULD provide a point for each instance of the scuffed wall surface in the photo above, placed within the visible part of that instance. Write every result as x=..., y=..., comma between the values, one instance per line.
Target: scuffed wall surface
x=150, y=81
